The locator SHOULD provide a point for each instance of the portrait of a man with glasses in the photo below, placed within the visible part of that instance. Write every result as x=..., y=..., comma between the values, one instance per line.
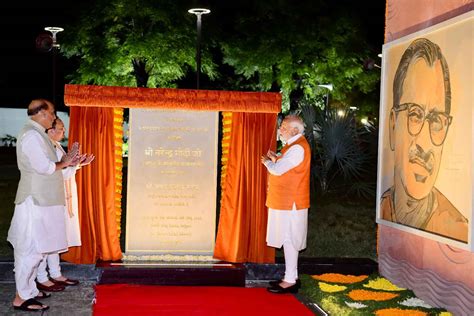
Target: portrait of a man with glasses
x=418, y=126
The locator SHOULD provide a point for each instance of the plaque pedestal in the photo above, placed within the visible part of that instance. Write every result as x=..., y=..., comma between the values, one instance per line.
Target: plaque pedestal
x=173, y=273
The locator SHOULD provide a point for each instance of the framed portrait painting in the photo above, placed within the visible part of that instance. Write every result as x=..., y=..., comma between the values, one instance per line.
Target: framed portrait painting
x=425, y=172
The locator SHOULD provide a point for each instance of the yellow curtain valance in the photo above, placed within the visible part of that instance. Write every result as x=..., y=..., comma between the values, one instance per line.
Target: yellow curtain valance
x=163, y=98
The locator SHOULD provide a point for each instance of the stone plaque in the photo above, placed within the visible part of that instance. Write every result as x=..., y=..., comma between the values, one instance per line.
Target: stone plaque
x=172, y=182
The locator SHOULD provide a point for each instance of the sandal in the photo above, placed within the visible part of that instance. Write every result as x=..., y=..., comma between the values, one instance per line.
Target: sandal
x=52, y=288
x=26, y=306
x=66, y=282
x=42, y=294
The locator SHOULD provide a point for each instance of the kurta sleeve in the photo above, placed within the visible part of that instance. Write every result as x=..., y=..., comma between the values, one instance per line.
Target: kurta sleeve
x=292, y=158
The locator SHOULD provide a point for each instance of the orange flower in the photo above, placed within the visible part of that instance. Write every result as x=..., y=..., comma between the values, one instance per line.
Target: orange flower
x=365, y=295
x=399, y=312
x=339, y=278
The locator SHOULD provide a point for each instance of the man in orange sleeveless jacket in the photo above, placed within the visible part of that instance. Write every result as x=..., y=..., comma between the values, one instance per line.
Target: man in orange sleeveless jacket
x=288, y=199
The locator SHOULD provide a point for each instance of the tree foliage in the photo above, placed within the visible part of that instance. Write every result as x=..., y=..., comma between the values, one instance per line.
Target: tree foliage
x=293, y=49
x=266, y=45
x=117, y=42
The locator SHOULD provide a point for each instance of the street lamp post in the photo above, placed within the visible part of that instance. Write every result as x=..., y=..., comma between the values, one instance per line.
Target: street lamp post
x=198, y=12
x=329, y=87
x=55, y=47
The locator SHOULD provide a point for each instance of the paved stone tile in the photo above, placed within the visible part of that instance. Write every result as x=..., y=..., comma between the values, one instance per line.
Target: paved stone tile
x=74, y=301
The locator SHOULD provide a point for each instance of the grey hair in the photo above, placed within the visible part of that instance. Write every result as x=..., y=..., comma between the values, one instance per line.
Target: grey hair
x=295, y=121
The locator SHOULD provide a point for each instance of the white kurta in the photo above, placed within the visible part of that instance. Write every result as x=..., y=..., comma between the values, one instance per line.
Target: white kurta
x=73, y=230
x=287, y=224
x=42, y=226
x=70, y=218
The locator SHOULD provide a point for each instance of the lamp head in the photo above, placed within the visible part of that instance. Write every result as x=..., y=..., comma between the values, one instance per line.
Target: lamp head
x=199, y=11
x=54, y=30
x=327, y=86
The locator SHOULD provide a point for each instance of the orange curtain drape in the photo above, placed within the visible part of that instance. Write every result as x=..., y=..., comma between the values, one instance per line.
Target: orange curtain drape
x=95, y=110
x=162, y=98
x=243, y=217
x=93, y=128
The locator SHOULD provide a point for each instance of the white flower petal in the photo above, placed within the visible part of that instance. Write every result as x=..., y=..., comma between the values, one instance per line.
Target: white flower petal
x=415, y=302
x=355, y=305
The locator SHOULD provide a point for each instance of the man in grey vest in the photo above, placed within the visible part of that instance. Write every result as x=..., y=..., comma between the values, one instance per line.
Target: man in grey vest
x=37, y=226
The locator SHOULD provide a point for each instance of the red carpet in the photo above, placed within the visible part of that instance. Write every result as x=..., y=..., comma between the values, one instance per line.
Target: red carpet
x=128, y=299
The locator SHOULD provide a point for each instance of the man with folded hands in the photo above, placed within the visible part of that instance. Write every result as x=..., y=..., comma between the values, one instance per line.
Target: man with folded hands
x=38, y=225
x=56, y=281
x=288, y=199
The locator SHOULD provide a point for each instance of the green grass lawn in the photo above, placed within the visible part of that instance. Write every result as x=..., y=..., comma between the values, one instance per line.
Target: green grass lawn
x=335, y=229
x=341, y=229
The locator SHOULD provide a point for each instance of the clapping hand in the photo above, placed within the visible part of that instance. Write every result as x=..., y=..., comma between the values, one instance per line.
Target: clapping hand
x=87, y=159
x=272, y=156
x=73, y=157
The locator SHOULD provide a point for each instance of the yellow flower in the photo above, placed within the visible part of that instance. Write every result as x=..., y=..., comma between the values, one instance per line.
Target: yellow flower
x=383, y=284
x=445, y=314
x=331, y=288
x=339, y=278
x=365, y=295
x=331, y=305
x=399, y=312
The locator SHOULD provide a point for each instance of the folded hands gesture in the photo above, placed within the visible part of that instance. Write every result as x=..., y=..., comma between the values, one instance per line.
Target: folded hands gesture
x=269, y=156
x=75, y=158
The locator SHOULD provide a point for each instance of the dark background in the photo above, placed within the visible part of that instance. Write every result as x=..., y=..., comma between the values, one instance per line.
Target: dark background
x=26, y=72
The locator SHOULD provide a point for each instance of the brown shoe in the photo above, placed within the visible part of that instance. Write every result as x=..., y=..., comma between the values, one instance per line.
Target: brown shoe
x=67, y=282
x=51, y=288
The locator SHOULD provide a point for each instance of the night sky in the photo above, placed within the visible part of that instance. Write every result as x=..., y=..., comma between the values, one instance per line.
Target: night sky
x=26, y=73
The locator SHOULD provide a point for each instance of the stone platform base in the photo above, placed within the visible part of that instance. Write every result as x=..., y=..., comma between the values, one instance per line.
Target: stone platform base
x=199, y=273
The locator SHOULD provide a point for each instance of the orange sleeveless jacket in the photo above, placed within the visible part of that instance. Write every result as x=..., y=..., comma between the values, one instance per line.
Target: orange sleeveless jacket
x=292, y=186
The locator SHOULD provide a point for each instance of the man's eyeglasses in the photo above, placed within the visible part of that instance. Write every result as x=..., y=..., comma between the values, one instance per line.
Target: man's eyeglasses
x=438, y=122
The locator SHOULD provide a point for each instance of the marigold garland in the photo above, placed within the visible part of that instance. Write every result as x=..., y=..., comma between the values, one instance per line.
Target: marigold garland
x=339, y=278
x=365, y=295
x=383, y=284
x=331, y=288
x=399, y=312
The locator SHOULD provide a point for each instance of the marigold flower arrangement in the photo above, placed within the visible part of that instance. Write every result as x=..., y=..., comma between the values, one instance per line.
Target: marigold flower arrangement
x=365, y=295
x=399, y=312
x=169, y=258
x=340, y=278
x=331, y=288
x=382, y=284
x=349, y=295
